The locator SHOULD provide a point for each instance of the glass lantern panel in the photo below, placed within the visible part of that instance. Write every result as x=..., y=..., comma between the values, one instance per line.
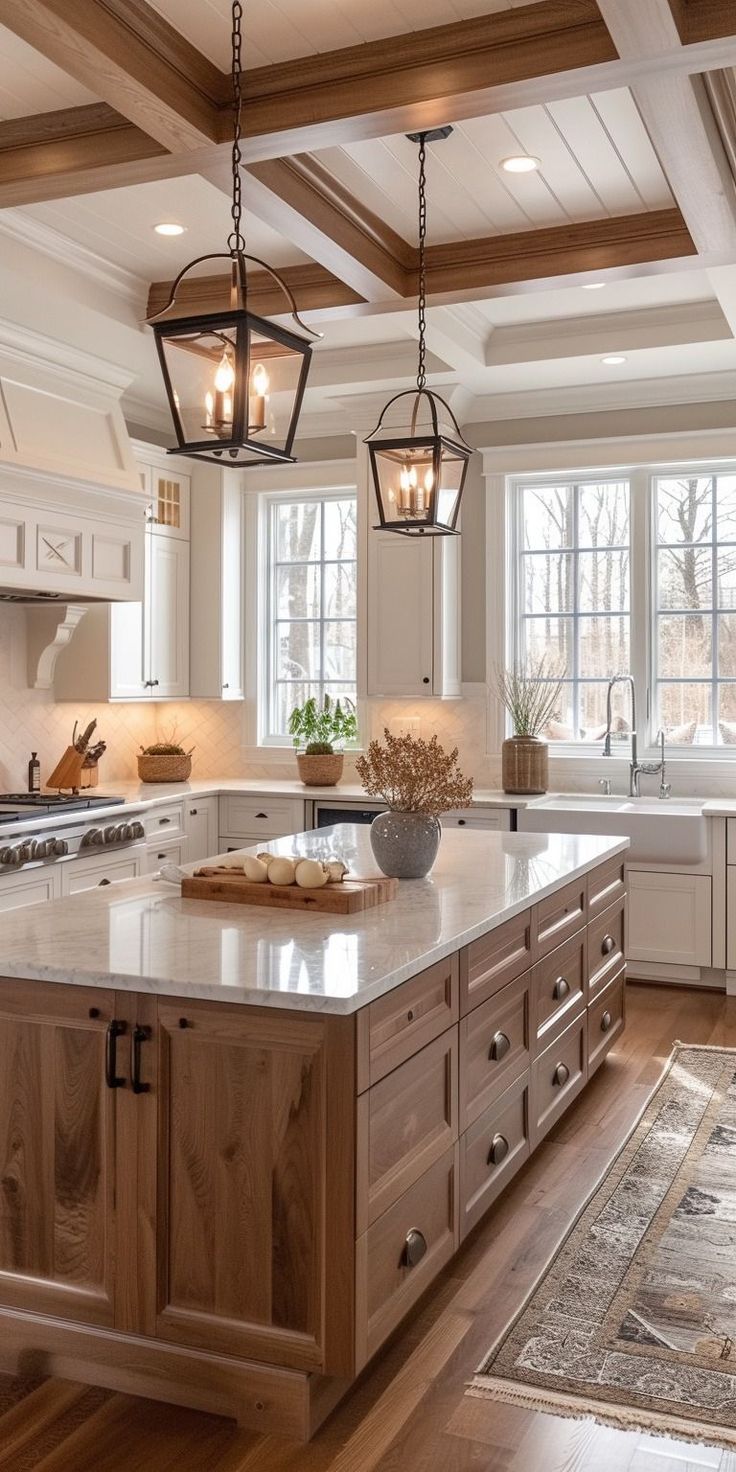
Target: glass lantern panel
x=201, y=368
x=452, y=470
x=405, y=483
x=275, y=376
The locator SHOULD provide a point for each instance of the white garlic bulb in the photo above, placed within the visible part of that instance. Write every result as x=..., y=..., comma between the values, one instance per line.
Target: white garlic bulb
x=310, y=874
x=336, y=870
x=255, y=870
x=281, y=871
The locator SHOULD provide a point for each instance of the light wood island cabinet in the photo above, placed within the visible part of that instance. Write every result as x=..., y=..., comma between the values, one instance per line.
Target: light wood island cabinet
x=232, y=1206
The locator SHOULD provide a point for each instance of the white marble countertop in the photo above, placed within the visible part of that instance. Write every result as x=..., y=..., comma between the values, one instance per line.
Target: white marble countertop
x=142, y=936
x=720, y=807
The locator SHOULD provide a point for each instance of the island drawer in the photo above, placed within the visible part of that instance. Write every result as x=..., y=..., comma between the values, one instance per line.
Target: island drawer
x=405, y=1123
x=558, y=988
x=494, y=1047
x=606, y=1021
x=488, y=964
x=606, y=941
x=166, y=820
x=558, y=1074
x=555, y=919
x=606, y=884
x=245, y=816
x=391, y=1029
x=404, y=1250
x=492, y=1151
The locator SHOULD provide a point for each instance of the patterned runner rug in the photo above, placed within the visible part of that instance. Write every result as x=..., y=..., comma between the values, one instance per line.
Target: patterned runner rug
x=634, y=1321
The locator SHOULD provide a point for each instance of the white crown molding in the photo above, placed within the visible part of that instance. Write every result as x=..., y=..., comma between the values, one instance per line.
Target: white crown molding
x=36, y=350
x=610, y=453
x=19, y=226
x=636, y=393
x=575, y=336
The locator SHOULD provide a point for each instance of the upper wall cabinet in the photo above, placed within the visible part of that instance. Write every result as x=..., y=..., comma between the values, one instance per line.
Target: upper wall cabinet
x=413, y=616
x=217, y=612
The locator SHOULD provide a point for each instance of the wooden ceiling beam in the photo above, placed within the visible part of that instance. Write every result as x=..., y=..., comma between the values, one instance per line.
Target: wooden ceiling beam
x=131, y=58
x=75, y=151
x=469, y=270
x=315, y=290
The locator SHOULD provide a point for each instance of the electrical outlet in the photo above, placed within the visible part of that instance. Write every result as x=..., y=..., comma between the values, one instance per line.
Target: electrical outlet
x=405, y=726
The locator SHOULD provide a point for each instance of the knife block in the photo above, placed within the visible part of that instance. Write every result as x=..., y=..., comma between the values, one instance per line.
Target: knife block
x=68, y=772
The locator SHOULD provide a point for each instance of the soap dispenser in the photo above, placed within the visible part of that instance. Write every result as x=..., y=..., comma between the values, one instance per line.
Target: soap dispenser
x=34, y=773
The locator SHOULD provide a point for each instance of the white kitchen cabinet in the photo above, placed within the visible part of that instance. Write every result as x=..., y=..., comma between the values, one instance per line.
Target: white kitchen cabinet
x=493, y=820
x=170, y=852
x=202, y=829
x=669, y=918
x=168, y=488
x=99, y=870
x=217, y=590
x=30, y=887
x=413, y=616
x=165, y=618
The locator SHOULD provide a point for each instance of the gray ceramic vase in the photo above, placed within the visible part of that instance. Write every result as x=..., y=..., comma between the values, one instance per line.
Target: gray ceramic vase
x=405, y=844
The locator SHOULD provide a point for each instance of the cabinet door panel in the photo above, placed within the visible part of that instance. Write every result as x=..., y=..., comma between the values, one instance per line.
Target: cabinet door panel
x=669, y=918
x=253, y=1204
x=400, y=622
x=168, y=617
x=57, y=1152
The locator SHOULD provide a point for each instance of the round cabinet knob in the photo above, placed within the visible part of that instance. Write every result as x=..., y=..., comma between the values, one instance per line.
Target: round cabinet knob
x=499, y=1150
x=91, y=838
x=5, y=856
x=561, y=1075
x=425, y=680
x=15, y=857
x=415, y=1247
x=560, y=989
x=126, y=832
x=111, y=833
x=61, y=847
x=137, y=830
x=606, y=1021
x=608, y=944
x=499, y=1048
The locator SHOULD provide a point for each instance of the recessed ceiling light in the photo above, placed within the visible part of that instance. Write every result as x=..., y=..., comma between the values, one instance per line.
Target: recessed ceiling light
x=520, y=163
x=168, y=227
x=613, y=359
x=593, y=285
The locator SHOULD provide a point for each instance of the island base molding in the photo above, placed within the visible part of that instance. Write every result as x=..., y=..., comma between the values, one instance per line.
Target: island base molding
x=259, y=1397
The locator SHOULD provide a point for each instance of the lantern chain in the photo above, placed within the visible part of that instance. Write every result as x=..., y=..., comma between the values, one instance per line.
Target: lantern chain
x=236, y=241
x=422, y=299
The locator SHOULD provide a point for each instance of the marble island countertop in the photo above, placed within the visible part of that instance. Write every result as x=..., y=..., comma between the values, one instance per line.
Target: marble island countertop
x=142, y=936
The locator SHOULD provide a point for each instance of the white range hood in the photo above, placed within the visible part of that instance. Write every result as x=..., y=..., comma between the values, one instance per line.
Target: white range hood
x=72, y=508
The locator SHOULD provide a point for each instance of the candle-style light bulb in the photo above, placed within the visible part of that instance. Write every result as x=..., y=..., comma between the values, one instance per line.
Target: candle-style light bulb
x=260, y=380
x=429, y=480
x=225, y=375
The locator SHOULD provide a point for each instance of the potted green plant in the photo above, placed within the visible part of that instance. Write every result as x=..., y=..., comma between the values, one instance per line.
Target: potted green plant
x=531, y=696
x=417, y=780
x=316, y=730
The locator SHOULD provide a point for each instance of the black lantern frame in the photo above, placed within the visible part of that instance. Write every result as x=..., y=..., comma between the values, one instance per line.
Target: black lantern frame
x=236, y=329
x=405, y=505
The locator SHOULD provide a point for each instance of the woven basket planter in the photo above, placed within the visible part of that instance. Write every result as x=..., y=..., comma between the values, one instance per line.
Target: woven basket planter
x=524, y=766
x=320, y=771
x=165, y=768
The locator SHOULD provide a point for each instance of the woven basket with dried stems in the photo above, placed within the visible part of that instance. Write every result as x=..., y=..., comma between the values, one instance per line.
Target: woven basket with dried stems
x=531, y=696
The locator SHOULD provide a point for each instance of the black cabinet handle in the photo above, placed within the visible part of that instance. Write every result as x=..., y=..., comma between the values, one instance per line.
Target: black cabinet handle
x=606, y=1021
x=261, y=815
x=499, y=1048
x=104, y=881
x=140, y=1036
x=193, y=812
x=415, y=1247
x=608, y=944
x=498, y=1151
x=114, y=1031
x=154, y=682
x=561, y=1075
x=461, y=822
x=425, y=680
x=160, y=856
x=560, y=989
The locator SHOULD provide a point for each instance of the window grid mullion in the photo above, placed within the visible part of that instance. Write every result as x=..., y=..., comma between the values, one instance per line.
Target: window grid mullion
x=715, y=663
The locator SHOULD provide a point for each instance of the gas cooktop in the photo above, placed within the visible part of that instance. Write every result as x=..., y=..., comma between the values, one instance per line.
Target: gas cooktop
x=16, y=805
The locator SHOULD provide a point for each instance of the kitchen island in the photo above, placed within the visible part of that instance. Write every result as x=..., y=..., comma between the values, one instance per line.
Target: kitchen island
x=238, y=1144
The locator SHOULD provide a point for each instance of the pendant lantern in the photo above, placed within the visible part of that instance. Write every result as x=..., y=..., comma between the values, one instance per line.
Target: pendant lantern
x=222, y=369
x=419, y=475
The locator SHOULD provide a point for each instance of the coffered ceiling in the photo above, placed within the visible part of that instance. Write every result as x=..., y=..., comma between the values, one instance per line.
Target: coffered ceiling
x=116, y=117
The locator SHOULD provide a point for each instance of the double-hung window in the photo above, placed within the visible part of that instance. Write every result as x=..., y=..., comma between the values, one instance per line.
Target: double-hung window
x=572, y=573
x=311, y=555
x=695, y=607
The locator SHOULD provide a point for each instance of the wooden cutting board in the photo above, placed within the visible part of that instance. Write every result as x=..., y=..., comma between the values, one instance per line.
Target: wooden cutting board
x=346, y=898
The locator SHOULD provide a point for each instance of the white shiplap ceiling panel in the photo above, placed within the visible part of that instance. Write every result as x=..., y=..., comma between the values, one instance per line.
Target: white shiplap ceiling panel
x=30, y=84
x=279, y=30
x=596, y=160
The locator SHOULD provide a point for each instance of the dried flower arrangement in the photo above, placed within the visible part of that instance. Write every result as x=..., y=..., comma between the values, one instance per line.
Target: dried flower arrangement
x=530, y=694
x=165, y=761
x=414, y=776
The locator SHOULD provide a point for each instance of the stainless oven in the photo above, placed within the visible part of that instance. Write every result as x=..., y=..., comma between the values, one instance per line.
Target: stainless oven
x=325, y=812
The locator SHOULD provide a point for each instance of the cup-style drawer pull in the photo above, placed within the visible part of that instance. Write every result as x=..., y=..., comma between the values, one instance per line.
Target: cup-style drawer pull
x=415, y=1247
x=608, y=944
x=561, y=1075
x=560, y=989
x=499, y=1048
x=261, y=815
x=606, y=1021
x=499, y=1150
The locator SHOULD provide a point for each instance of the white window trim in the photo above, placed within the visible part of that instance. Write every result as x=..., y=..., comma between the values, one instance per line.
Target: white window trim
x=640, y=459
x=286, y=483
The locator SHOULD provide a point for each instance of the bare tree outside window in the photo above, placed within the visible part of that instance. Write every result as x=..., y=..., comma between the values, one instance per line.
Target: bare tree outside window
x=312, y=550
x=574, y=596
x=696, y=607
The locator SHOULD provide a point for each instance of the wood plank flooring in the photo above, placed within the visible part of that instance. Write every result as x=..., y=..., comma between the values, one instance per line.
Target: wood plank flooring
x=409, y=1412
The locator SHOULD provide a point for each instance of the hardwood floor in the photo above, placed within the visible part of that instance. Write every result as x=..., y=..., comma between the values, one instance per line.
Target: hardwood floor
x=409, y=1412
